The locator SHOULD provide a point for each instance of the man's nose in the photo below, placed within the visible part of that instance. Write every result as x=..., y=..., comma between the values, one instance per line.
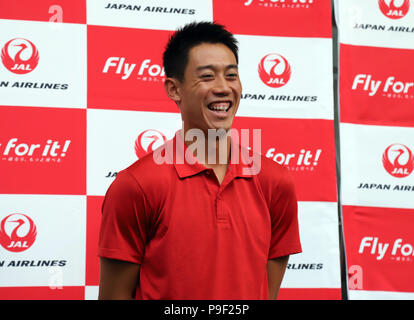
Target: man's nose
x=221, y=87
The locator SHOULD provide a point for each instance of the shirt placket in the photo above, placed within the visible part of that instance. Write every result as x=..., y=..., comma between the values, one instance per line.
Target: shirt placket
x=215, y=192
x=222, y=213
x=222, y=205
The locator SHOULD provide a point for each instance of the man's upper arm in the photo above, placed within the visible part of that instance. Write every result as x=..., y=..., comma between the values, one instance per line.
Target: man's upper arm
x=118, y=279
x=124, y=225
x=122, y=237
x=285, y=239
x=275, y=271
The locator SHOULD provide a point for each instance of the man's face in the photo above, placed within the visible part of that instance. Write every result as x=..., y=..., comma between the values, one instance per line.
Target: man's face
x=211, y=89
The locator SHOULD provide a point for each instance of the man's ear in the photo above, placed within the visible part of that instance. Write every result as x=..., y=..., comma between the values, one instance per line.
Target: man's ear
x=172, y=88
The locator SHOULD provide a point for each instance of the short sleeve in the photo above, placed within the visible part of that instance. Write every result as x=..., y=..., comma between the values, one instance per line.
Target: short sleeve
x=124, y=225
x=283, y=208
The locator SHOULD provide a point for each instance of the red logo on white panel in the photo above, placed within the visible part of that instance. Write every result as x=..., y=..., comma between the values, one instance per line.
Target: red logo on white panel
x=274, y=70
x=17, y=232
x=394, y=9
x=20, y=56
x=148, y=141
x=398, y=160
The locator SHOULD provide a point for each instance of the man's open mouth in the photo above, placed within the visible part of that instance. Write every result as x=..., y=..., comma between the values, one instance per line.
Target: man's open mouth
x=220, y=106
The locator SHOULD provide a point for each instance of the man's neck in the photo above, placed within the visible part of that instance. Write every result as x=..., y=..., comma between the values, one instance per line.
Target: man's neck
x=212, y=151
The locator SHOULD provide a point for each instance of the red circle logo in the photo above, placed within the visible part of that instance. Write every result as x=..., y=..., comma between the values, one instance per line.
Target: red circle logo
x=20, y=56
x=274, y=70
x=398, y=160
x=148, y=141
x=394, y=9
x=17, y=232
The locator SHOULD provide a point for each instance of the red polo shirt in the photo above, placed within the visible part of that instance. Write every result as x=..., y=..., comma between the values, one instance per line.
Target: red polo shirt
x=195, y=238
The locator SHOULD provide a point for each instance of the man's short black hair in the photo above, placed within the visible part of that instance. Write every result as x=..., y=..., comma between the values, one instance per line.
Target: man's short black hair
x=175, y=57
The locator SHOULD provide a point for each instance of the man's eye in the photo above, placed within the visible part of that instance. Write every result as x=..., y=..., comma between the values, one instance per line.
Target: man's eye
x=232, y=75
x=206, y=76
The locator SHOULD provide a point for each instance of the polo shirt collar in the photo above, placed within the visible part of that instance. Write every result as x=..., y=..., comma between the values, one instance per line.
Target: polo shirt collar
x=185, y=168
x=239, y=164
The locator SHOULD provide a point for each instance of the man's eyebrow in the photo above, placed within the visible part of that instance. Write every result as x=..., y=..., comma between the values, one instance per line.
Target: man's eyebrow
x=232, y=66
x=210, y=66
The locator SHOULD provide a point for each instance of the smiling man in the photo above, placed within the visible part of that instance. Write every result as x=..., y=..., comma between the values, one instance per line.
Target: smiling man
x=195, y=227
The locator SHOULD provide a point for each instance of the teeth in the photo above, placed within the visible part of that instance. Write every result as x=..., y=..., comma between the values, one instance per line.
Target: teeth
x=221, y=106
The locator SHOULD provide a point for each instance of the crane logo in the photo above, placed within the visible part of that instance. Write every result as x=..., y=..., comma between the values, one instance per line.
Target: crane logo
x=148, y=141
x=398, y=160
x=20, y=56
x=394, y=9
x=274, y=70
x=17, y=232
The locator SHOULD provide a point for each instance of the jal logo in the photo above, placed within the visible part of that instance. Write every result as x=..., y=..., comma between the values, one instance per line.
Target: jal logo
x=148, y=141
x=394, y=9
x=17, y=232
x=398, y=160
x=274, y=70
x=20, y=56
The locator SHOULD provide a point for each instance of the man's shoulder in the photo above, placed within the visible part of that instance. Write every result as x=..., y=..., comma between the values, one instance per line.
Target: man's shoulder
x=274, y=175
x=271, y=167
x=147, y=170
x=145, y=163
x=276, y=182
x=144, y=178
